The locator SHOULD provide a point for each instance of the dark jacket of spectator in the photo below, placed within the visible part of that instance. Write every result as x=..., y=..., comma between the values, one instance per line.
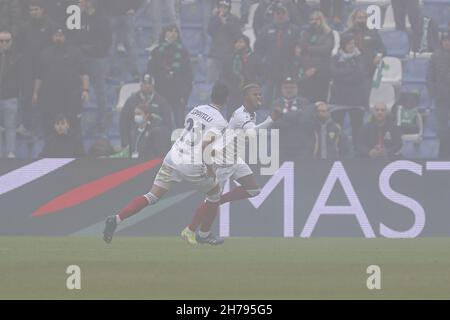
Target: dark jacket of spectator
x=327, y=140
x=388, y=136
x=370, y=44
x=11, y=15
x=427, y=40
x=298, y=13
x=273, y=49
x=63, y=146
x=438, y=76
x=9, y=74
x=240, y=68
x=223, y=36
x=60, y=70
x=171, y=67
x=293, y=134
x=159, y=107
x=349, y=80
x=95, y=37
x=316, y=45
x=56, y=10
x=150, y=142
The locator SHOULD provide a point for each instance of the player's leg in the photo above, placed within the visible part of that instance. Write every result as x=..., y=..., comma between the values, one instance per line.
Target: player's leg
x=209, y=212
x=222, y=175
x=249, y=188
x=160, y=187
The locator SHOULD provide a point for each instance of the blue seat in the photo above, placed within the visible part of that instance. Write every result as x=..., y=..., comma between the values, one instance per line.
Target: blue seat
x=415, y=70
x=194, y=40
x=396, y=42
x=425, y=101
x=439, y=10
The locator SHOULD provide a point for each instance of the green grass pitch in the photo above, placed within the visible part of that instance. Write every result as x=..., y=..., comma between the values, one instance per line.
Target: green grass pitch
x=243, y=268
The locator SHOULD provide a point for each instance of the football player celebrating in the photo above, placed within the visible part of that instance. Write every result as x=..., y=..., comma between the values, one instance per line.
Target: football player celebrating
x=243, y=118
x=180, y=164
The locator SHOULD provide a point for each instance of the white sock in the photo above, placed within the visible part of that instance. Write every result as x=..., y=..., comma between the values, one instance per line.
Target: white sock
x=118, y=220
x=204, y=234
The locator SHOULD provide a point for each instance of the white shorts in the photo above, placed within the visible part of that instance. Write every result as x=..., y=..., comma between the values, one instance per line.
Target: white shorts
x=194, y=174
x=235, y=172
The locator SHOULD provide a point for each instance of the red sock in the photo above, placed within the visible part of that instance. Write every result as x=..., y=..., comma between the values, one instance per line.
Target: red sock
x=197, y=219
x=236, y=194
x=134, y=207
x=209, y=215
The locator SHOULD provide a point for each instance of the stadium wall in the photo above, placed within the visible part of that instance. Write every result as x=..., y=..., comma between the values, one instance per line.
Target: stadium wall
x=71, y=197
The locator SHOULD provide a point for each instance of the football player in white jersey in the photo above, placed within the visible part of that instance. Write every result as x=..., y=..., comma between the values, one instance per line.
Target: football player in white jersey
x=243, y=118
x=183, y=164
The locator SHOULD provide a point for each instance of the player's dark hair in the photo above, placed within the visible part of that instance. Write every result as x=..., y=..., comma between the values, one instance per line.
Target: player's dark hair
x=219, y=94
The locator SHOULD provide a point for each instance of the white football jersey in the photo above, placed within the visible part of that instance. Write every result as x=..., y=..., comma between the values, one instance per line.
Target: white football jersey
x=200, y=121
x=242, y=119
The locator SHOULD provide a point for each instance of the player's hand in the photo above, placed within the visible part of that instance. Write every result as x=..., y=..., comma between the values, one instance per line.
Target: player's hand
x=277, y=113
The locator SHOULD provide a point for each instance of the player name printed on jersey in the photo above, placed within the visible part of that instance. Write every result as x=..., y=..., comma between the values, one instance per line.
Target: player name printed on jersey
x=231, y=141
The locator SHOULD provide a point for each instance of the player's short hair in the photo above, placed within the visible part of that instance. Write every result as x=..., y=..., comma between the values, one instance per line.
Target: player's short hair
x=219, y=94
x=249, y=86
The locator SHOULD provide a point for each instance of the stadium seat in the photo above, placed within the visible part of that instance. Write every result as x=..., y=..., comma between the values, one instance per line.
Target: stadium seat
x=425, y=100
x=415, y=70
x=396, y=42
x=125, y=92
x=384, y=94
x=392, y=73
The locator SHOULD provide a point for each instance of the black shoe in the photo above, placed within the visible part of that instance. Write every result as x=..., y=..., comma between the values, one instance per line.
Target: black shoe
x=110, y=227
x=211, y=240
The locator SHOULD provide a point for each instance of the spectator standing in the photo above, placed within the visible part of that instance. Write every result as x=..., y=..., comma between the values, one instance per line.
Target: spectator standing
x=368, y=41
x=9, y=91
x=94, y=40
x=157, y=10
x=61, y=84
x=33, y=38
x=122, y=20
x=223, y=28
x=273, y=49
x=439, y=87
x=11, y=15
x=427, y=40
x=171, y=67
x=349, y=84
x=159, y=108
x=410, y=8
x=239, y=68
x=316, y=46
